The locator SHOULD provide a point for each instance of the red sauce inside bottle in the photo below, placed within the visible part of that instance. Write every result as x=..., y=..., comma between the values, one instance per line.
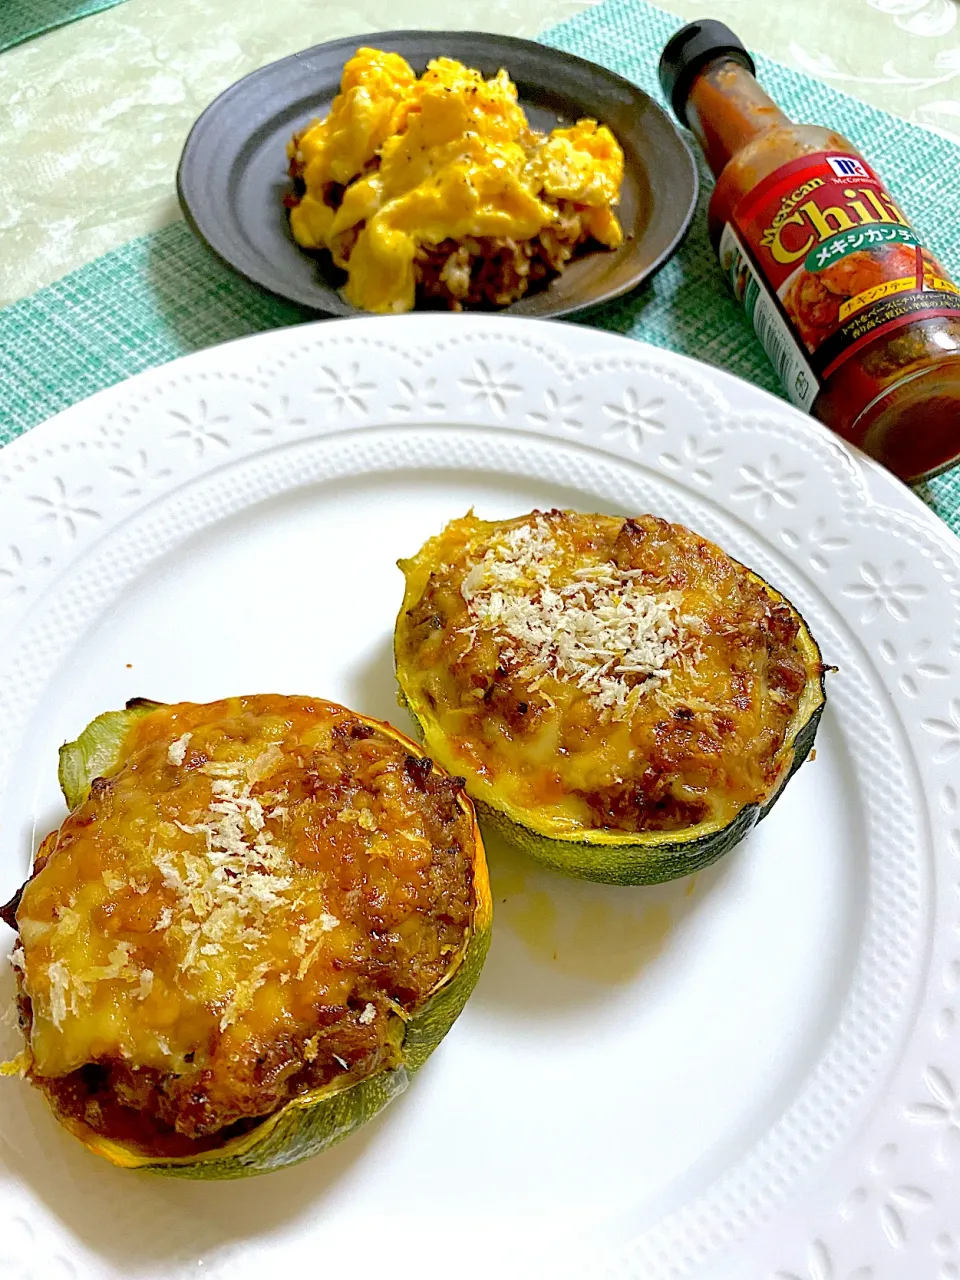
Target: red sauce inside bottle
x=895, y=394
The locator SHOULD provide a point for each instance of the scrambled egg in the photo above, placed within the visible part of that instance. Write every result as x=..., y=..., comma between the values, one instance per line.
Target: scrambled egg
x=402, y=162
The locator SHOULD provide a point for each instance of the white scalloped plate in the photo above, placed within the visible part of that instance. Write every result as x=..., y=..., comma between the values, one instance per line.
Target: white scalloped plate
x=751, y=1076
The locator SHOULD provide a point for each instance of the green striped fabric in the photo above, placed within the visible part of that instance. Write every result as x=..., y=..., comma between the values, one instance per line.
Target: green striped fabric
x=22, y=19
x=141, y=305
x=164, y=296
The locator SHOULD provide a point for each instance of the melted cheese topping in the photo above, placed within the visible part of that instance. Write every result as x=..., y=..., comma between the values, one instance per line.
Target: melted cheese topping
x=598, y=631
x=264, y=880
x=604, y=673
x=443, y=157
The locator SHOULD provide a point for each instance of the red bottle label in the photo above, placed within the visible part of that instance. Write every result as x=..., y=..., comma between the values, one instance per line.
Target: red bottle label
x=825, y=263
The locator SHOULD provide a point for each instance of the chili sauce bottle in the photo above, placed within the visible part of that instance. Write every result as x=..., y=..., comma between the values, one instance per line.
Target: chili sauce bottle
x=859, y=319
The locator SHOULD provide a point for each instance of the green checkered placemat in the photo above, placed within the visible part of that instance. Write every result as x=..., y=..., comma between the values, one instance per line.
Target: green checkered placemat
x=22, y=19
x=164, y=296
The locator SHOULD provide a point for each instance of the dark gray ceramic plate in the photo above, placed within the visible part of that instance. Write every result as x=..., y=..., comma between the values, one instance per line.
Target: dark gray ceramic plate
x=232, y=175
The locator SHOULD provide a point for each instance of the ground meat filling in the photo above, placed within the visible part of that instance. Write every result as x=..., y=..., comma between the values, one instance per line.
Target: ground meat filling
x=623, y=675
x=193, y=1017
x=493, y=271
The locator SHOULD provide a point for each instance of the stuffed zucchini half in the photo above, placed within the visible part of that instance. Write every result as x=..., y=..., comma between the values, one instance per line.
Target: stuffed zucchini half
x=624, y=700
x=259, y=918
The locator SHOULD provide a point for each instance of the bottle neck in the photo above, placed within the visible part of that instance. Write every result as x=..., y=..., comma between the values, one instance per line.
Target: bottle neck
x=726, y=109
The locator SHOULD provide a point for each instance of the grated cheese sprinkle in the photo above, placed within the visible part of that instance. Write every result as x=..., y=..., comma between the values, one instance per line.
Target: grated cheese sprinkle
x=242, y=997
x=222, y=895
x=368, y=1014
x=227, y=892
x=363, y=817
x=59, y=979
x=601, y=632
x=313, y=931
x=177, y=751
x=266, y=763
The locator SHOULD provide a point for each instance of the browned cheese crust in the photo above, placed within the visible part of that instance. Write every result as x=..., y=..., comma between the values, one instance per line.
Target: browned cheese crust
x=237, y=915
x=600, y=672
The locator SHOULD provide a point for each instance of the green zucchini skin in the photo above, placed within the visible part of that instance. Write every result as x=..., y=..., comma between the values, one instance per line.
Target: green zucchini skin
x=312, y=1122
x=633, y=864
x=647, y=858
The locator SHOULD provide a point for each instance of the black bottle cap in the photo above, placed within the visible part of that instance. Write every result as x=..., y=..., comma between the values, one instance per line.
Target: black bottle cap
x=688, y=51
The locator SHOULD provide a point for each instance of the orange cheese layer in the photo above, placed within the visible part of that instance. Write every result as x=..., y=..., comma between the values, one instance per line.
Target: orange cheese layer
x=263, y=880
x=597, y=671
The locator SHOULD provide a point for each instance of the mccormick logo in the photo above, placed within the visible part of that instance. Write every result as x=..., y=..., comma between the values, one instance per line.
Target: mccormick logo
x=847, y=167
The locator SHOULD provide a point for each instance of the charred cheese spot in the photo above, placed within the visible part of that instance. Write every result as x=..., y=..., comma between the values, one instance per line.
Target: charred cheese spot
x=249, y=907
x=599, y=672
